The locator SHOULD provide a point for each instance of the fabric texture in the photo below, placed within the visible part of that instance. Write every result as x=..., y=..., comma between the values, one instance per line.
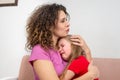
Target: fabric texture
x=79, y=66
x=38, y=53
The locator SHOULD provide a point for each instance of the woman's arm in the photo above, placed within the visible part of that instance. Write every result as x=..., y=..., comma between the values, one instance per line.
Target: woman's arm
x=45, y=70
x=68, y=75
x=86, y=76
x=90, y=75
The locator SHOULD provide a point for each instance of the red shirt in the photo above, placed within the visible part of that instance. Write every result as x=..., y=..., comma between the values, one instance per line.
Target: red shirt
x=79, y=66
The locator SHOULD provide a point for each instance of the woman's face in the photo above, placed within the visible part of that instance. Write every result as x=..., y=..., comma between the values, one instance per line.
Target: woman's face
x=64, y=48
x=62, y=25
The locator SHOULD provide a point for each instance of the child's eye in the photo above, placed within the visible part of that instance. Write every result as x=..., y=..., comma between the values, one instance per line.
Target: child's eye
x=62, y=45
x=58, y=47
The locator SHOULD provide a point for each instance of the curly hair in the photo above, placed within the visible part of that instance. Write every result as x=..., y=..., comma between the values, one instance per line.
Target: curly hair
x=40, y=24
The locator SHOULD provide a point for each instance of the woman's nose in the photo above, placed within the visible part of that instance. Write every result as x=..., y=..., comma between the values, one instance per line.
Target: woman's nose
x=68, y=24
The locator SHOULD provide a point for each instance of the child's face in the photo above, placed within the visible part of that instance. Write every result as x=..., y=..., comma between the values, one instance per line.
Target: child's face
x=64, y=48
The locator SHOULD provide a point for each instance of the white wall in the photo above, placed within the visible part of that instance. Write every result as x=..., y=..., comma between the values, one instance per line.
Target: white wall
x=12, y=35
x=97, y=21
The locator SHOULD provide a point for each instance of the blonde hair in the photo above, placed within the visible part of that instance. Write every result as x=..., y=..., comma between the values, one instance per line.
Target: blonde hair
x=76, y=51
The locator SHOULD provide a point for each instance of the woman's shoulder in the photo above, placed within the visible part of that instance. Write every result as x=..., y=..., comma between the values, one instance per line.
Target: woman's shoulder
x=39, y=53
x=38, y=48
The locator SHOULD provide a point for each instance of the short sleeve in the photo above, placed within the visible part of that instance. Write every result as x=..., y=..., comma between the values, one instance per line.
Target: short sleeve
x=38, y=53
x=79, y=65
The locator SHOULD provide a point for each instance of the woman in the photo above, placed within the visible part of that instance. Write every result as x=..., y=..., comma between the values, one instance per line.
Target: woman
x=45, y=26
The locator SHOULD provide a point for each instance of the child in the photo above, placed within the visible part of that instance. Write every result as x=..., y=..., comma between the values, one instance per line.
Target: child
x=77, y=62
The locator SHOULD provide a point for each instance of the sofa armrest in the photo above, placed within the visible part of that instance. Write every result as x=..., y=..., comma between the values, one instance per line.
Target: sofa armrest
x=9, y=78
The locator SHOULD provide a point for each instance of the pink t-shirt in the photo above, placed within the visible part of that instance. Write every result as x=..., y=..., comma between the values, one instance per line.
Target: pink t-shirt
x=38, y=53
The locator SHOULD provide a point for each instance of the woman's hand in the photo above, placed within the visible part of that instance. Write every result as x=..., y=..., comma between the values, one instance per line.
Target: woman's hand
x=93, y=70
x=79, y=41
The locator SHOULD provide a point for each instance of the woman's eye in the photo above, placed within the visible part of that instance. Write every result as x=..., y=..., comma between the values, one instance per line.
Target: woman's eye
x=63, y=21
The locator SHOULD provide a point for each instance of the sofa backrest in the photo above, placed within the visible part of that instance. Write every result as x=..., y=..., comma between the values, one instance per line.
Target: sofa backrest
x=109, y=68
x=26, y=70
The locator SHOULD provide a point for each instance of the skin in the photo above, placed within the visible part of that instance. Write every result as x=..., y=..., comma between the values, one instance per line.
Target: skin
x=44, y=66
x=62, y=27
x=64, y=49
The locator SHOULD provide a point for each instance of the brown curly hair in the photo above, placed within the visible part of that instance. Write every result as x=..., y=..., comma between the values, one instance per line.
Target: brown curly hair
x=40, y=24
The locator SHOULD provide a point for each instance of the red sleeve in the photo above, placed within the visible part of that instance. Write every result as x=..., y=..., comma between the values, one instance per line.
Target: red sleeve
x=79, y=65
x=96, y=79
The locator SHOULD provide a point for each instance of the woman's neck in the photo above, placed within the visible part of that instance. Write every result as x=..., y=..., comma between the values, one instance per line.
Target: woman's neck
x=55, y=39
